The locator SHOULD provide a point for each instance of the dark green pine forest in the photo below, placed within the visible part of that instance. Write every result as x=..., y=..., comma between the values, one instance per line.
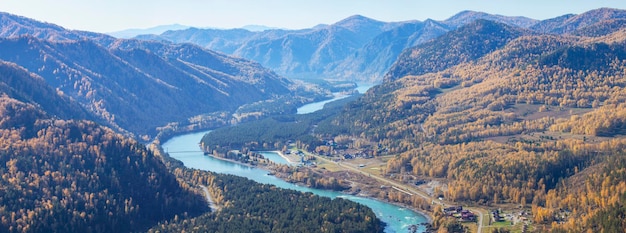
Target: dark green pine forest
x=252, y=207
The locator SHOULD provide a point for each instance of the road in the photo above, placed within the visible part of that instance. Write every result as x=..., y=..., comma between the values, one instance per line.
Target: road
x=404, y=187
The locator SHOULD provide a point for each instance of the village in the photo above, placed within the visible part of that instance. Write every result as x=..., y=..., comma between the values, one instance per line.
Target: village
x=371, y=160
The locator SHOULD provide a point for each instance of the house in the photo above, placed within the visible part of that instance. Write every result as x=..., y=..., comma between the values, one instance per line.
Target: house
x=496, y=216
x=467, y=216
x=455, y=209
x=420, y=182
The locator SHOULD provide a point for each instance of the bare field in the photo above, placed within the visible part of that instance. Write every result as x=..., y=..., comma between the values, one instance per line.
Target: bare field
x=329, y=166
x=374, y=166
x=532, y=111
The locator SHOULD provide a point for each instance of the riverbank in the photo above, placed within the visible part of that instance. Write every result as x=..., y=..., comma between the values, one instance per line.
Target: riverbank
x=397, y=216
x=360, y=184
x=231, y=161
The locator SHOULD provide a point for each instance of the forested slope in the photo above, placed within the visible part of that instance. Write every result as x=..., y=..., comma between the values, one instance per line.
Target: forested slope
x=514, y=124
x=76, y=176
x=136, y=86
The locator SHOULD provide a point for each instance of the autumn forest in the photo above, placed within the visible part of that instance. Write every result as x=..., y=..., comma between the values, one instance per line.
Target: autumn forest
x=496, y=112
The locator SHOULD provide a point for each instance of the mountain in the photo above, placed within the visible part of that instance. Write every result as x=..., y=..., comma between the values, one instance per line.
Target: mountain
x=571, y=23
x=467, y=17
x=309, y=53
x=506, y=114
x=136, y=86
x=452, y=49
x=67, y=174
x=355, y=48
x=130, y=33
x=258, y=28
x=601, y=28
x=15, y=26
x=226, y=41
x=165, y=80
x=293, y=53
x=375, y=57
x=19, y=84
x=465, y=44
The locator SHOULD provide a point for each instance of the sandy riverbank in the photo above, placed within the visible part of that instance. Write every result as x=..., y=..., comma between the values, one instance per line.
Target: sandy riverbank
x=290, y=159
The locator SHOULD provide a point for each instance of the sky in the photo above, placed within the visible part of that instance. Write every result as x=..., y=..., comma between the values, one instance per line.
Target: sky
x=115, y=15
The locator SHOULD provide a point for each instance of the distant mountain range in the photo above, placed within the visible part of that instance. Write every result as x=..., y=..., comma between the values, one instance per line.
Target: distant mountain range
x=130, y=33
x=356, y=48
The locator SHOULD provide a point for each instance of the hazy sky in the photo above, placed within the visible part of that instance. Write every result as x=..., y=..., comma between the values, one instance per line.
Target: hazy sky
x=115, y=15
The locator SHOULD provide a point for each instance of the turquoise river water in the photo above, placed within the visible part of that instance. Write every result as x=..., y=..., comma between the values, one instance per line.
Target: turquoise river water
x=312, y=107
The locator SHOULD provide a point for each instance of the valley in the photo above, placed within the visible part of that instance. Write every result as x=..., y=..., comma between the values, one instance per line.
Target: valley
x=478, y=123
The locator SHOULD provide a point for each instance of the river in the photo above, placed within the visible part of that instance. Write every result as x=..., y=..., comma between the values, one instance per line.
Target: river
x=312, y=107
x=397, y=218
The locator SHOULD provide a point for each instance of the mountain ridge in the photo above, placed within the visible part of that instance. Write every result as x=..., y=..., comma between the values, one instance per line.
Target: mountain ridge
x=350, y=59
x=453, y=48
x=133, y=32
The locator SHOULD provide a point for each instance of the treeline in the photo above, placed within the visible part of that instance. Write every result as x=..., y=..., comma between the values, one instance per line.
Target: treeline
x=248, y=206
x=75, y=176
